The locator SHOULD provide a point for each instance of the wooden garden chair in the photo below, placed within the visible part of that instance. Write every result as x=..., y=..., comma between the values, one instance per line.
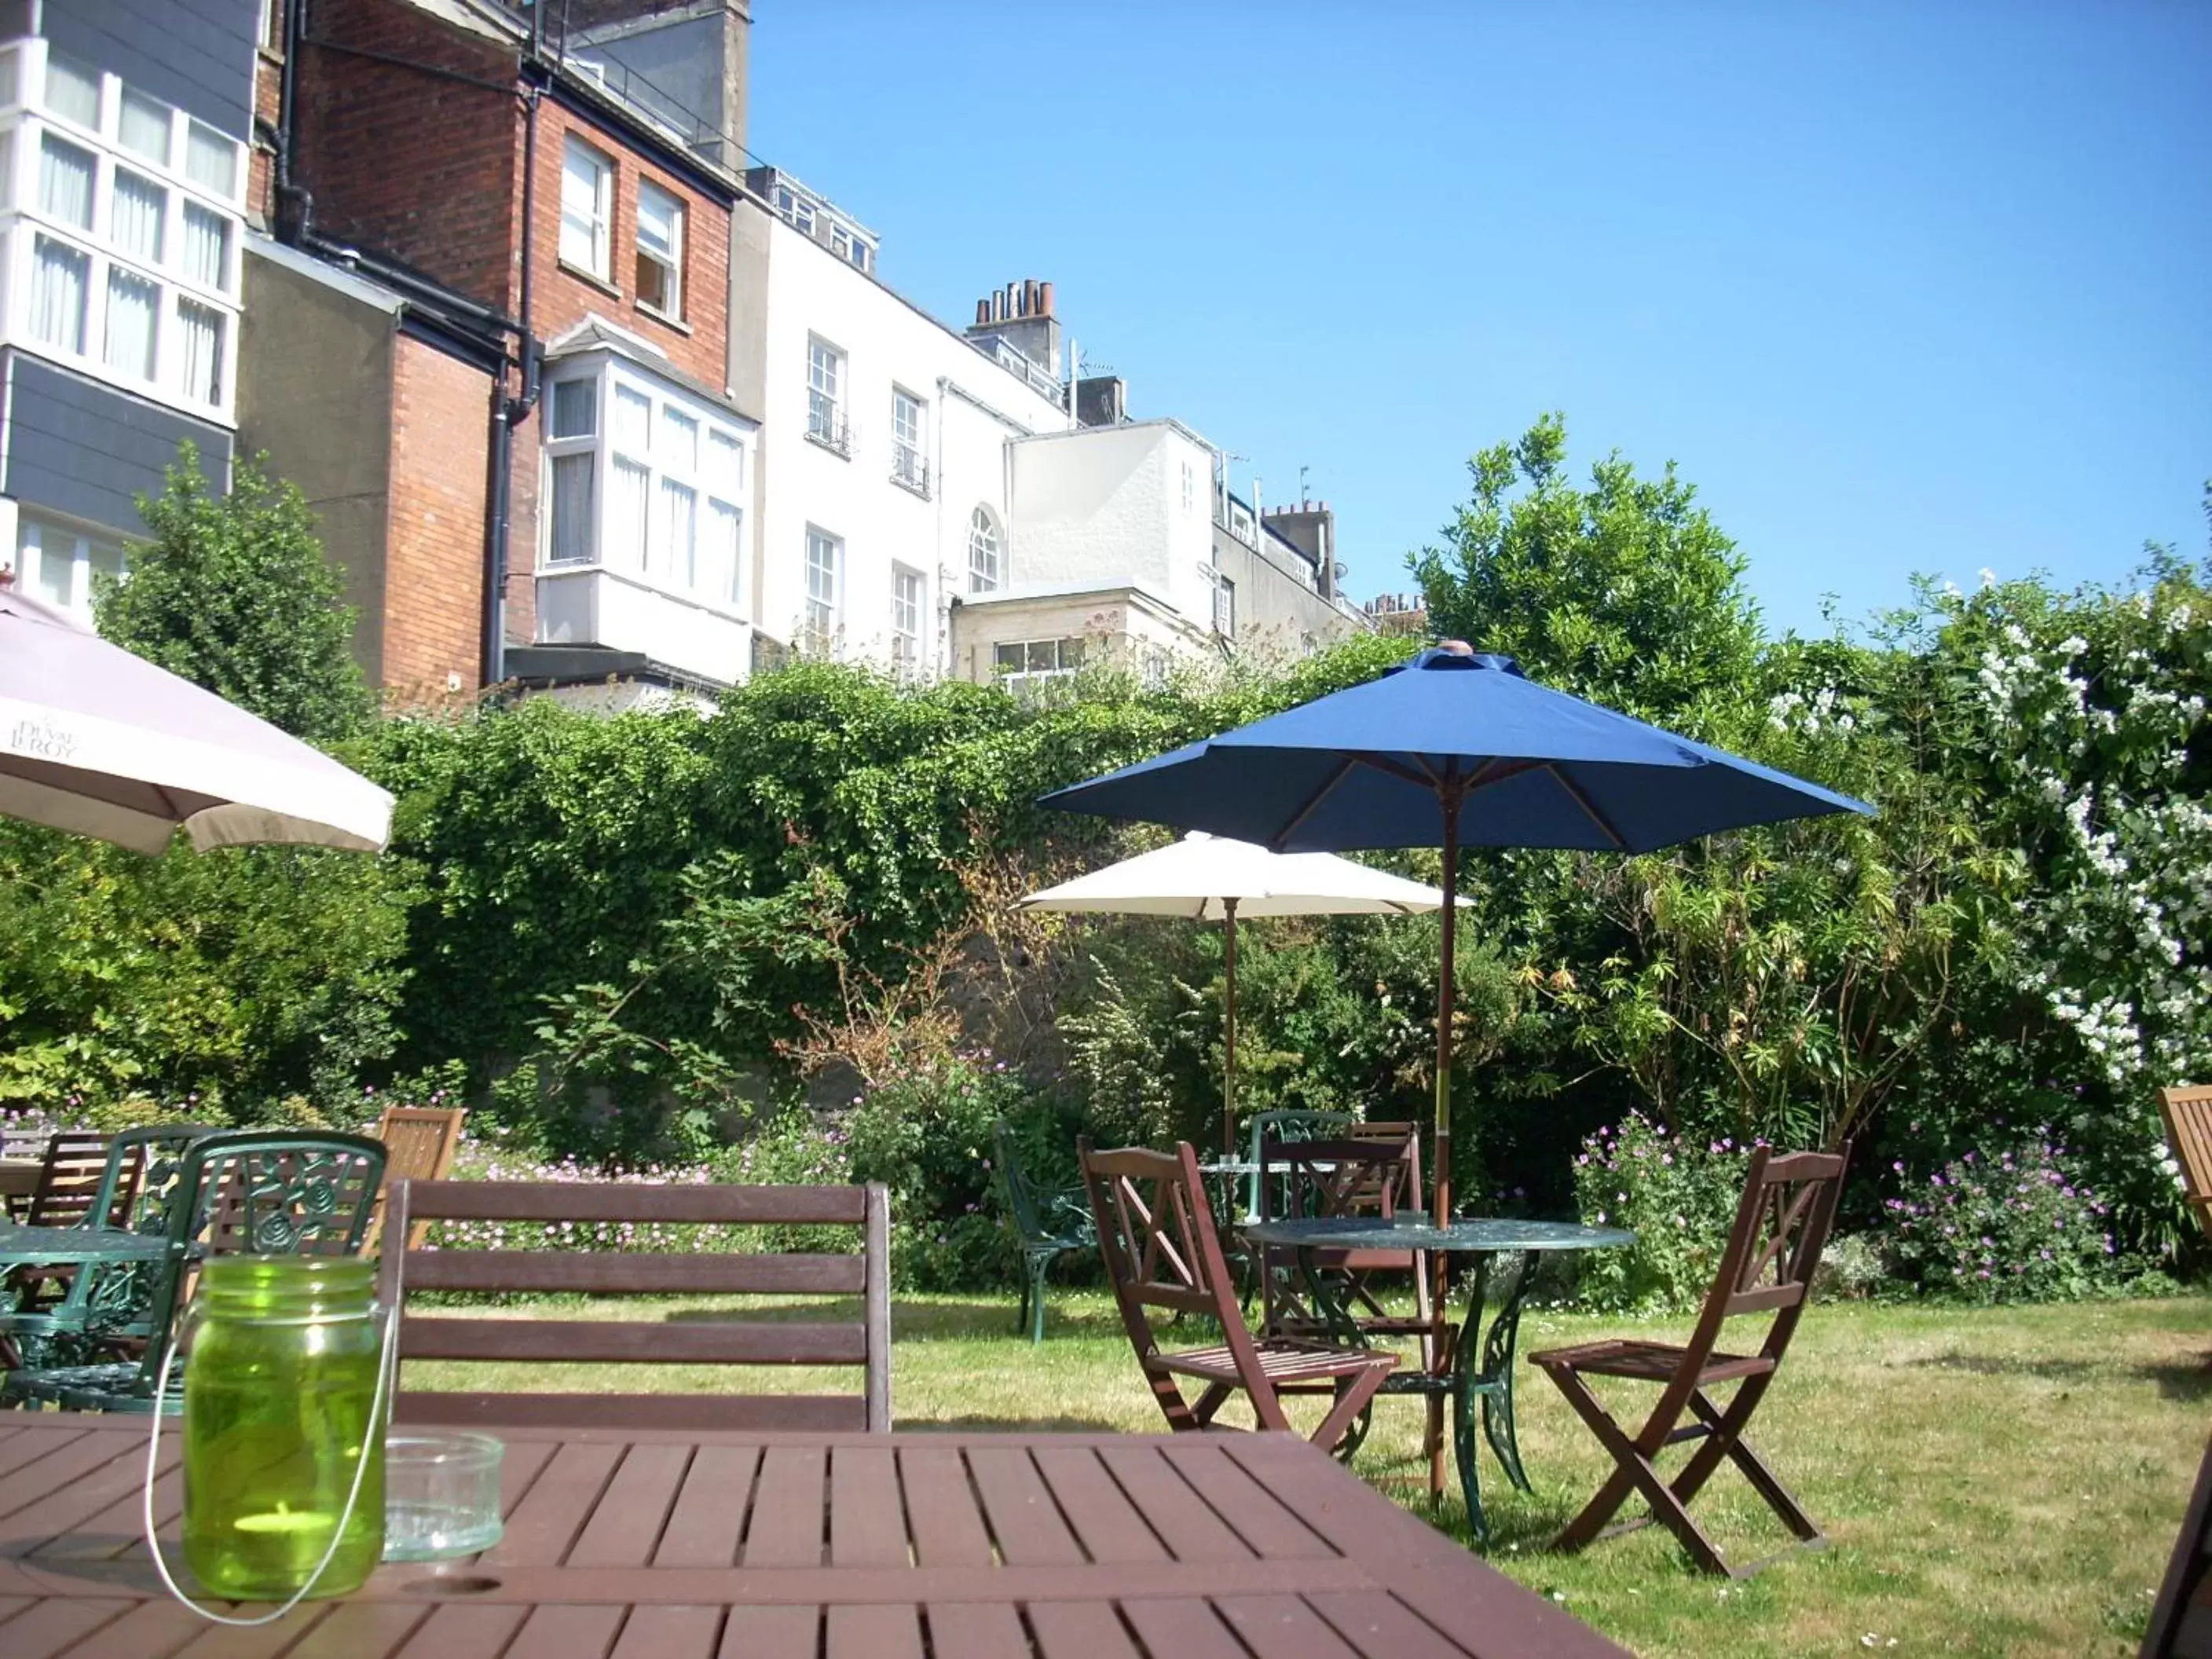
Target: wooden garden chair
x=1781, y=1227
x=1156, y=1231
x=861, y=1341
x=68, y=1179
x=2188, y=1114
x=421, y=1141
x=2181, y=1619
x=1375, y=1171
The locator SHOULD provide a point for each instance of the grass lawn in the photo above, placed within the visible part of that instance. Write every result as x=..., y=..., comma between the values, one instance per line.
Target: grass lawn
x=2001, y=1483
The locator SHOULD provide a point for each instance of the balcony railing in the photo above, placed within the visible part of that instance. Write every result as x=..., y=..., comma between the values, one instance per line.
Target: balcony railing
x=826, y=425
x=910, y=469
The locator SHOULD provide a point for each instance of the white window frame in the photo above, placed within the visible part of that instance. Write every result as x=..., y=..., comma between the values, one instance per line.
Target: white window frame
x=909, y=606
x=597, y=222
x=1065, y=664
x=716, y=471
x=672, y=264
x=26, y=122
x=824, y=613
x=987, y=550
x=1225, y=607
x=826, y=365
x=910, y=441
x=43, y=540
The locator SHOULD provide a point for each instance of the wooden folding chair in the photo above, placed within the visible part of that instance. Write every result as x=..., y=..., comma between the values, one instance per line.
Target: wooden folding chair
x=420, y=1142
x=68, y=1179
x=1375, y=1173
x=1156, y=1231
x=2188, y=1115
x=1781, y=1227
x=862, y=1340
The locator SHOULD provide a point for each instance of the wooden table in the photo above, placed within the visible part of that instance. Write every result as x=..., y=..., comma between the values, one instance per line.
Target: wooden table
x=19, y=1179
x=679, y=1545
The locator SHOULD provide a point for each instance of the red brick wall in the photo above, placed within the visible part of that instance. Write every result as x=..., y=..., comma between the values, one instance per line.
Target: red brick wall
x=700, y=344
x=409, y=165
x=434, y=581
x=268, y=105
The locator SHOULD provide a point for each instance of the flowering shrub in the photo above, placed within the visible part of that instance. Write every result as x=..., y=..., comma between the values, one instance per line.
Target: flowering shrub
x=1678, y=1199
x=2008, y=1226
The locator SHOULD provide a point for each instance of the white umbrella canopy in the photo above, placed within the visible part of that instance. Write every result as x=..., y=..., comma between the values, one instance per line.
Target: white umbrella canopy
x=1206, y=877
x=1209, y=877
x=101, y=743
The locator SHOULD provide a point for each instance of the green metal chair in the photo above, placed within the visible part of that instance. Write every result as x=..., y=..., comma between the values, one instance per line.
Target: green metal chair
x=69, y=1313
x=1284, y=1123
x=1046, y=1224
x=244, y=1192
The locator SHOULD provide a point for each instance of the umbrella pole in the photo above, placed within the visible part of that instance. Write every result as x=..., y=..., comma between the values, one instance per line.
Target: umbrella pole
x=1449, y=797
x=1229, y=1031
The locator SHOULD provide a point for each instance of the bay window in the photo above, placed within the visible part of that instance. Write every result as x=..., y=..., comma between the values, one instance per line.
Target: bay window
x=57, y=562
x=645, y=481
x=120, y=220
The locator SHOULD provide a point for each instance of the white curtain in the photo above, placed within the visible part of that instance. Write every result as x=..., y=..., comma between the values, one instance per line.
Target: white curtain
x=133, y=303
x=571, y=508
x=140, y=207
x=207, y=247
x=679, y=516
x=203, y=336
x=724, y=577
x=211, y=161
x=629, y=496
x=65, y=182
x=145, y=127
x=633, y=421
x=59, y=275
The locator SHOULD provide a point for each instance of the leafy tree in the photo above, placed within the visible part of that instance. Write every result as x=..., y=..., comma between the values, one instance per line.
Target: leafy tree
x=1624, y=592
x=233, y=593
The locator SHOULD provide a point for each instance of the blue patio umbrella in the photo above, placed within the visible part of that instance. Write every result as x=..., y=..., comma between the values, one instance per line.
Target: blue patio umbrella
x=1451, y=748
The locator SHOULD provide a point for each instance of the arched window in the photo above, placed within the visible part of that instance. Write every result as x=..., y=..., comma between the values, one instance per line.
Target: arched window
x=987, y=569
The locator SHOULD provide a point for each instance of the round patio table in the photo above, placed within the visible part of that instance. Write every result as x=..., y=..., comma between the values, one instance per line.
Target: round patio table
x=1473, y=1365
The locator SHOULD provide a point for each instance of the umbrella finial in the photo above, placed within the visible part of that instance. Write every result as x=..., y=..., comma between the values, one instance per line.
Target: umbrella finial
x=1456, y=648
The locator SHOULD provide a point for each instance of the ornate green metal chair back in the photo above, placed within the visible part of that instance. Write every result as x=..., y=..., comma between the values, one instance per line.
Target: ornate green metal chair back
x=1046, y=1225
x=236, y=1191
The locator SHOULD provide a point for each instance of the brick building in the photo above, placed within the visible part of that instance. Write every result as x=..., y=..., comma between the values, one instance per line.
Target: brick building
x=489, y=338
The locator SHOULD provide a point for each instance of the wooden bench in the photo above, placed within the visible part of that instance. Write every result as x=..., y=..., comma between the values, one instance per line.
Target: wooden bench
x=863, y=1343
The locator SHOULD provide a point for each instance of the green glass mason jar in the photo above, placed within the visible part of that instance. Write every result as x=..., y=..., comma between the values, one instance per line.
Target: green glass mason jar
x=280, y=1406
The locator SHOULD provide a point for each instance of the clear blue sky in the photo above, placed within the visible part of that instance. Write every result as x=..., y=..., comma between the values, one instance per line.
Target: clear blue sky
x=1900, y=287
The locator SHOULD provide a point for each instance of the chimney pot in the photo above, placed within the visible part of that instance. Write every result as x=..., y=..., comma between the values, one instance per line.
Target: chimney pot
x=982, y=311
x=1044, y=298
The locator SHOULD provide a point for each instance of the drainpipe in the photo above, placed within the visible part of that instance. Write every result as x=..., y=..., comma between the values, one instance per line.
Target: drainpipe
x=507, y=414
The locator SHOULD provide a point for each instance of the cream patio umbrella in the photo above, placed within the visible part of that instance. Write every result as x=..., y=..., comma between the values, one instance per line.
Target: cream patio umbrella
x=100, y=742
x=1208, y=877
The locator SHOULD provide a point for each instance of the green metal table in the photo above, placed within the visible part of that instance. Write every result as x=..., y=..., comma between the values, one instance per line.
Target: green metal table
x=1472, y=1364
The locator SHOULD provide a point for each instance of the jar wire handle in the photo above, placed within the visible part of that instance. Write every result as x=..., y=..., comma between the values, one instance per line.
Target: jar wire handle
x=386, y=1366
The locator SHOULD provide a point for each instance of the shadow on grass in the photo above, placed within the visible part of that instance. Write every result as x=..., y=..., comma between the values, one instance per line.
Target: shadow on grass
x=1982, y=1364
x=2180, y=1380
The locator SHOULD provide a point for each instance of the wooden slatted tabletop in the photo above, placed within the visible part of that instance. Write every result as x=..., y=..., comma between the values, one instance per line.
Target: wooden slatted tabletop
x=679, y=1545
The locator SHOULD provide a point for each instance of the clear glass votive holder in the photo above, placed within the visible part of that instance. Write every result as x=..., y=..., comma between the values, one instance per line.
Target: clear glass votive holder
x=1410, y=1219
x=441, y=1494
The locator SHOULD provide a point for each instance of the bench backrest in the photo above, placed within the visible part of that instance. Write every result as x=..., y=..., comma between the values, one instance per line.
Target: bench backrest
x=862, y=1342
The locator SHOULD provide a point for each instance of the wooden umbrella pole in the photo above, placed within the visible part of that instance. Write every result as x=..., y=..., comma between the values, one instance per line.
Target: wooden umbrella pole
x=1229, y=1031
